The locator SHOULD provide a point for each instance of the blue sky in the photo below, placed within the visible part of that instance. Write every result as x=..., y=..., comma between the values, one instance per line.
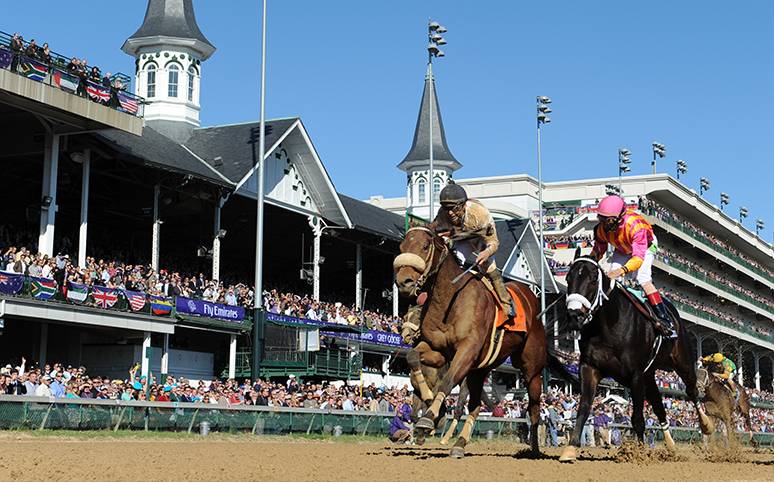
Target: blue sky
x=695, y=75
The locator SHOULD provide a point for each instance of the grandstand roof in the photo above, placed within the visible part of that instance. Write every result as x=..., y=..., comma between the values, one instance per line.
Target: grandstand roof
x=165, y=19
x=153, y=148
x=419, y=154
x=367, y=217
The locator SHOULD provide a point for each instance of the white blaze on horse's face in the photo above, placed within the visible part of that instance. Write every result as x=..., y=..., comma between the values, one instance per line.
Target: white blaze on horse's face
x=577, y=301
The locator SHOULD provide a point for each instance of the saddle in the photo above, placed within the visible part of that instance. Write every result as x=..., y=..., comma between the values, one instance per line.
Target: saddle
x=638, y=299
x=503, y=322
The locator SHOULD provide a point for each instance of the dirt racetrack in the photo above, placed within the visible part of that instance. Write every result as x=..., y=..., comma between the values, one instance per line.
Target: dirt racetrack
x=25, y=457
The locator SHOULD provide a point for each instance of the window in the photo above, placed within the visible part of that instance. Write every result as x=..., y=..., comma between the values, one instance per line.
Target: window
x=150, y=80
x=421, y=191
x=191, y=75
x=436, y=187
x=174, y=73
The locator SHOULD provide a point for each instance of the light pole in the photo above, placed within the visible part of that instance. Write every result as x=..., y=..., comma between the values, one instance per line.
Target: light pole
x=258, y=293
x=542, y=118
x=434, y=31
x=659, y=150
x=724, y=200
x=623, y=164
x=743, y=213
x=759, y=225
x=704, y=186
x=682, y=168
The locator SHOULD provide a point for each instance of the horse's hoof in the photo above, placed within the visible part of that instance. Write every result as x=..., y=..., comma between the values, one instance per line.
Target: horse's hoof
x=457, y=452
x=444, y=442
x=425, y=423
x=568, y=454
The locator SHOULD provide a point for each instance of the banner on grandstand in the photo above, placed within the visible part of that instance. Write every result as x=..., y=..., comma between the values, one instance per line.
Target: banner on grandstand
x=65, y=81
x=76, y=292
x=160, y=305
x=42, y=288
x=104, y=297
x=32, y=69
x=210, y=310
x=98, y=92
x=11, y=283
x=6, y=57
x=136, y=299
x=368, y=336
x=128, y=102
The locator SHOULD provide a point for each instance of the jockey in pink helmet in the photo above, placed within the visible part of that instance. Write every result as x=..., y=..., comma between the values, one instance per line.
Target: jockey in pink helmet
x=635, y=245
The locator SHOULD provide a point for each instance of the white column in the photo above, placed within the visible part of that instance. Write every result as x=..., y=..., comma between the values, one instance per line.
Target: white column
x=156, y=241
x=358, y=277
x=576, y=344
x=216, y=244
x=232, y=346
x=740, y=366
x=395, y=300
x=757, y=371
x=699, y=339
x=316, y=267
x=83, y=232
x=556, y=335
x=146, y=343
x=42, y=353
x=48, y=213
x=165, y=356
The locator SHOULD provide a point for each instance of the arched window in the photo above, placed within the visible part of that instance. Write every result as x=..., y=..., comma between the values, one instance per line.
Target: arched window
x=191, y=76
x=436, y=187
x=150, y=80
x=421, y=195
x=174, y=74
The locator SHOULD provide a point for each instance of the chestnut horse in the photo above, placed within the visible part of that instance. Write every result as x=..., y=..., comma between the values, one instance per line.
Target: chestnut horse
x=456, y=328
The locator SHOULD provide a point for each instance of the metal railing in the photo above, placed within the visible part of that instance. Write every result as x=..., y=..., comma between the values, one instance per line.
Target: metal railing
x=710, y=281
x=55, y=74
x=42, y=413
x=712, y=245
x=703, y=314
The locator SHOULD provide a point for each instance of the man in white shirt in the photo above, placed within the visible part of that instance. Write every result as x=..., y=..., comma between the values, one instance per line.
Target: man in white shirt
x=44, y=389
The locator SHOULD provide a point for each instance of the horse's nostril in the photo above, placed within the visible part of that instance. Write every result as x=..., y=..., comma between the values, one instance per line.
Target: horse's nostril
x=407, y=282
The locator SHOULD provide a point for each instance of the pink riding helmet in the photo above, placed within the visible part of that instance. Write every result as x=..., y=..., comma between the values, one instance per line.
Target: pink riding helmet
x=611, y=206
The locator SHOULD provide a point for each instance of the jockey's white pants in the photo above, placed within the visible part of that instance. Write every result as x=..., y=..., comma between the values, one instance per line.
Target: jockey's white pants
x=643, y=274
x=468, y=250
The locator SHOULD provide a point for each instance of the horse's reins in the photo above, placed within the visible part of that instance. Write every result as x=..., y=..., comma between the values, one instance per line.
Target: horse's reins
x=576, y=300
x=417, y=262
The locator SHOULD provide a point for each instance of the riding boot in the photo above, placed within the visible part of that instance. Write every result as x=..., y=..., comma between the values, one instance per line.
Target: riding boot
x=502, y=292
x=665, y=320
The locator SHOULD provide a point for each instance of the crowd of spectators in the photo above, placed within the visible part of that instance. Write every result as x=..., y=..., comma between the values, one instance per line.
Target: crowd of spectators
x=118, y=275
x=651, y=207
x=672, y=258
x=582, y=240
x=78, y=68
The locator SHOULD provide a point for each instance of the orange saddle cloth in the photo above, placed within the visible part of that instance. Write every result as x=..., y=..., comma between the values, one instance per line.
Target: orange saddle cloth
x=518, y=322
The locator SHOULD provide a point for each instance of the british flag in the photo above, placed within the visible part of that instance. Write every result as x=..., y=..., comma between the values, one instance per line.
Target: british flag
x=136, y=299
x=98, y=92
x=104, y=297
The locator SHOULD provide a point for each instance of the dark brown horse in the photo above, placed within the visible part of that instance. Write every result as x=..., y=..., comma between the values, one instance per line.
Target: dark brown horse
x=456, y=328
x=720, y=404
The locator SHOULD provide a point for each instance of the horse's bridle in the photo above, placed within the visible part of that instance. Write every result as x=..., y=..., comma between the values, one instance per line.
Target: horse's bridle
x=576, y=301
x=425, y=266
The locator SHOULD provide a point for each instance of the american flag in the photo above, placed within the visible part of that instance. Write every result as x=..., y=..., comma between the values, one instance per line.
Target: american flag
x=136, y=299
x=128, y=102
x=104, y=297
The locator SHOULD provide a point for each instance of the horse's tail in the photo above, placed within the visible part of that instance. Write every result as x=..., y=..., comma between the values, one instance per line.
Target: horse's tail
x=556, y=367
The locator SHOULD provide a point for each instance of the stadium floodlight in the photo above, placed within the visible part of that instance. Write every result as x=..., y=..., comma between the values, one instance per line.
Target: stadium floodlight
x=612, y=189
x=743, y=213
x=543, y=110
x=659, y=150
x=724, y=200
x=434, y=31
x=623, y=164
x=759, y=225
x=704, y=185
x=682, y=167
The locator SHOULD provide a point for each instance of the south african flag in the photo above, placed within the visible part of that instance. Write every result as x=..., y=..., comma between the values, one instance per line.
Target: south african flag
x=42, y=288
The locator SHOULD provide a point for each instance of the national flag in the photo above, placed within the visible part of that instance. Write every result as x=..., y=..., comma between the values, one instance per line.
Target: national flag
x=32, y=69
x=77, y=292
x=65, y=81
x=98, y=92
x=136, y=299
x=161, y=305
x=42, y=288
x=104, y=297
x=6, y=57
x=11, y=283
x=128, y=102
